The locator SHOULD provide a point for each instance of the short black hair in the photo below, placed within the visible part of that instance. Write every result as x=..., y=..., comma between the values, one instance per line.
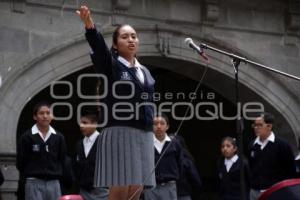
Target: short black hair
x=91, y=115
x=40, y=104
x=268, y=118
x=162, y=115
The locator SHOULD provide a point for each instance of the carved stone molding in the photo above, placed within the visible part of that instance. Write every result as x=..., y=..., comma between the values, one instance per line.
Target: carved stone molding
x=18, y=6
x=293, y=15
x=121, y=4
x=211, y=10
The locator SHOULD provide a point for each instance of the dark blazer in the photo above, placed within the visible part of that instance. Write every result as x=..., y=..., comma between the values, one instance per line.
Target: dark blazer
x=39, y=159
x=229, y=182
x=141, y=95
x=67, y=180
x=170, y=166
x=189, y=183
x=272, y=164
x=85, y=166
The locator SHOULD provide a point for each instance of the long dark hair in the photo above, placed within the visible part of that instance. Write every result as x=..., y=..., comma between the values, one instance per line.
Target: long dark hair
x=231, y=140
x=115, y=36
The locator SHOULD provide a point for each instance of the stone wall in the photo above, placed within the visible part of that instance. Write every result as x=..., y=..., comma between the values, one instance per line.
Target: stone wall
x=42, y=41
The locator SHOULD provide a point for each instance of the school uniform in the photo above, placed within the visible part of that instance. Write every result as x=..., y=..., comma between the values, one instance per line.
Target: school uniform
x=229, y=178
x=167, y=171
x=270, y=162
x=189, y=184
x=40, y=160
x=125, y=154
x=116, y=68
x=68, y=178
x=85, y=168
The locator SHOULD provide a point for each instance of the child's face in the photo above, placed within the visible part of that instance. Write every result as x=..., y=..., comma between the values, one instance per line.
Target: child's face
x=228, y=149
x=160, y=127
x=43, y=117
x=87, y=127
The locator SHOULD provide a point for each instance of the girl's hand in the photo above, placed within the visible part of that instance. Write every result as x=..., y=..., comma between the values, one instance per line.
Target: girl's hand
x=85, y=16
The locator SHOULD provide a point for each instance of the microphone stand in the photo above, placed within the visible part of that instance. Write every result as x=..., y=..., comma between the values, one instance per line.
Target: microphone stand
x=239, y=128
x=236, y=60
x=231, y=55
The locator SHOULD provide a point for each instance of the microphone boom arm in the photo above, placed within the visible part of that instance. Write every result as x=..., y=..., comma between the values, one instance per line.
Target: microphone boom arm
x=245, y=60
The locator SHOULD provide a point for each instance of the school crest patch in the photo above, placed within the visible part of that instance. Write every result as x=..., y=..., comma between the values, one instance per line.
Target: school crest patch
x=36, y=147
x=125, y=76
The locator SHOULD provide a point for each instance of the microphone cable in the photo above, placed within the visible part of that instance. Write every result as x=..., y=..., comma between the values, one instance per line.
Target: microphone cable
x=172, y=139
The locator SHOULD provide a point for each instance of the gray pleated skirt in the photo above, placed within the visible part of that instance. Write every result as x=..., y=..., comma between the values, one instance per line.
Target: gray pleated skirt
x=125, y=156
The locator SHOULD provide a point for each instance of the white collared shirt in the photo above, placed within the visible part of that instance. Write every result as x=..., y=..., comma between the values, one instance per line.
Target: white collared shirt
x=271, y=138
x=229, y=162
x=35, y=130
x=160, y=144
x=298, y=156
x=140, y=74
x=88, y=142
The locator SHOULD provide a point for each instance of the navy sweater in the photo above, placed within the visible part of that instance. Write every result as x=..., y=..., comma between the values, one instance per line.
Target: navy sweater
x=85, y=166
x=39, y=159
x=169, y=167
x=189, y=183
x=272, y=164
x=229, y=182
x=138, y=109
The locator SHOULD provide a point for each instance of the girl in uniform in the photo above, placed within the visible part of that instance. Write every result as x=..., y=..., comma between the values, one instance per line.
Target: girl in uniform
x=125, y=156
x=229, y=171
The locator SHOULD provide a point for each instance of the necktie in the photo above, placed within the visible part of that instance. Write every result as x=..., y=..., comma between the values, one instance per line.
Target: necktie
x=135, y=72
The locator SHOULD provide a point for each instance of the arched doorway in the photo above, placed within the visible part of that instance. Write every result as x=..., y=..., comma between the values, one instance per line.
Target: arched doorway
x=68, y=58
x=202, y=136
x=73, y=55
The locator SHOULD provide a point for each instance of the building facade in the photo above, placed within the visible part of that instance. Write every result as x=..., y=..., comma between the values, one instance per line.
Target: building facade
x=43, y=41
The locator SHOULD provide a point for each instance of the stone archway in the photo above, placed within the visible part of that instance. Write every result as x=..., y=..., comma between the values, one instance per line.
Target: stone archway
x=162, y=43
x=161, y=47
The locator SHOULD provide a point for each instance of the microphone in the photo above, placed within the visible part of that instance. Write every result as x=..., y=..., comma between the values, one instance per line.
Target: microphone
x=199, y=50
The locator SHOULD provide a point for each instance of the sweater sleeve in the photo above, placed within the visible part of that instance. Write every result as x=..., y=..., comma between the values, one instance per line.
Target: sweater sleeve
x=247, y=174
x=23, y=150
x=288, y=162
x=62, y=154
x=63, y=150
x=76, y=159
x=180, y=156
x=100, y=55
x=193, y=175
